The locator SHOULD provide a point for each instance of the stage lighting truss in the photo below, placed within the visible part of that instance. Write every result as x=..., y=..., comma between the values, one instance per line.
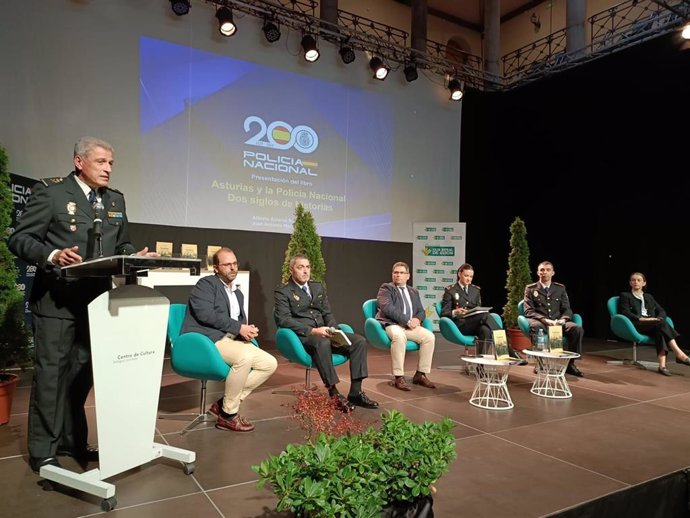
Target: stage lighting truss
x=379, y=68
x=226, y=24
x=455, y=87
x=271, y=31
x=311, y=50
x=180, y=7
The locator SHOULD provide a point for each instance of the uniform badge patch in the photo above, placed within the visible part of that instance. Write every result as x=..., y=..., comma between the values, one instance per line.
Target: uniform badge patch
x=71, y=208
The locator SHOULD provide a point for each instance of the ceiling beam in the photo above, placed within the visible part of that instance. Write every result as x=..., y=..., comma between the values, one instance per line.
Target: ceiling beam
x=446, y=16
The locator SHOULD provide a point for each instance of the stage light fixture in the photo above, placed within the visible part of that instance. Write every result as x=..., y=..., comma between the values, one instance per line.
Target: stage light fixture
x=380, y=70
x=456, y=93
x=685, y=33
x=226, y=25
x=271, y=31
x=410, y=72
x=180, y=7
x=311, y=51
x=347, y=54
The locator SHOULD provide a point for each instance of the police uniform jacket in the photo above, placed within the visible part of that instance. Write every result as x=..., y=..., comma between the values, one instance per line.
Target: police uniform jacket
x=455, y=297
x=58, y=216
x=540, y=304
x=295, y=310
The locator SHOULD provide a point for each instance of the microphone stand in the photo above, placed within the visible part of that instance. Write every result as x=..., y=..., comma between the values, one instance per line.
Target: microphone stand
x=98, y=227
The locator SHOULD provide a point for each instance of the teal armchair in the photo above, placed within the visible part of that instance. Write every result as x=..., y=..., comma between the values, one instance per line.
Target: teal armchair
x=523, y=322
x=375, y=332
x=623, y=328
x=449, y=330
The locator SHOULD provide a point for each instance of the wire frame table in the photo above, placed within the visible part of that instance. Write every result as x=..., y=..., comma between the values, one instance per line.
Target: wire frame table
x=550, y=381
x=490, y=390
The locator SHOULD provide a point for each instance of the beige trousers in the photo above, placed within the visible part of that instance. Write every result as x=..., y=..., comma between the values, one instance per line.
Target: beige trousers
x=250, y=367
x=399, y=337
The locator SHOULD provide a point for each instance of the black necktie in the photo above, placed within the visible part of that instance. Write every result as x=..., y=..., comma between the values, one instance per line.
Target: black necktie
x=467, y=290
x=91, y=196
x=408, y=313
x=305, y=289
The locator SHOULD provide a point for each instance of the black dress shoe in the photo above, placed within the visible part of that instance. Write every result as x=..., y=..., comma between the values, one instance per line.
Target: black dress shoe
x=342, y=403
x=37, y=463
x=87, y=454
x=362, y=400
x=519, y=361
x=664, y=371
x=572, y=369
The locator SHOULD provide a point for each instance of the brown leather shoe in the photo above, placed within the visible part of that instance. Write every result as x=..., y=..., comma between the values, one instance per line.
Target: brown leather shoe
x=421, y=379
x=400, y=384
x=236, y=424
x=216, y=407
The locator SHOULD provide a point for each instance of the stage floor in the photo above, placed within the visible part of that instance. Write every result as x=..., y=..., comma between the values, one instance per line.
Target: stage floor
x=623, y=426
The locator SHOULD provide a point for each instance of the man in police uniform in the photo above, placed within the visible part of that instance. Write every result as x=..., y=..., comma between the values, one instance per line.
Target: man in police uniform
x=302, y=305
x=56, y=230
x=547, y=304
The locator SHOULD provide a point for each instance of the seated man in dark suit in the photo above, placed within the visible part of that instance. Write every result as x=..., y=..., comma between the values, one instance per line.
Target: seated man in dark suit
x=401, y=312
x=302, y=305
x=547, y=304
x=216, y=309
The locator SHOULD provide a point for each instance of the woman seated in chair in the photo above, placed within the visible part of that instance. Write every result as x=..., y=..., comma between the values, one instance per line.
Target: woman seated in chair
x=649, y=318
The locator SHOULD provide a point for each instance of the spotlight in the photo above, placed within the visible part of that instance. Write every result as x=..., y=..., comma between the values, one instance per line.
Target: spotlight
x=226, y=25
x=311, y=52
x=347, y=54
x=380, y=70
x=180, y=7
x=686, y=32
x=271, y=31
x=410, y=72
x=455, y=88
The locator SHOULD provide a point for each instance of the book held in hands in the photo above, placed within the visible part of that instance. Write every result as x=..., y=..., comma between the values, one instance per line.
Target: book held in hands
x=339, y=337
x=478, y=309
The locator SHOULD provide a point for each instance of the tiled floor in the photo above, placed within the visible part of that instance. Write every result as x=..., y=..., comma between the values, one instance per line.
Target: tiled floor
x=622, y=427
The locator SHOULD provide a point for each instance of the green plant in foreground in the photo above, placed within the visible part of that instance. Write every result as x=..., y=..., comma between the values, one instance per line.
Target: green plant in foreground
x=355, y=476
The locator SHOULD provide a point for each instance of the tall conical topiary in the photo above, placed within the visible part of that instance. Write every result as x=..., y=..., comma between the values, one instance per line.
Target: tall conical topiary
x=14, y=336
x=305, y=241
x=519, y=274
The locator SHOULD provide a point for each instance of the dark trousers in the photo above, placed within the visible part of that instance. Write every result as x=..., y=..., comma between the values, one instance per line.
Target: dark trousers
x=481, y=325
x=61, y=383
x=320, y=350
x=660, y=331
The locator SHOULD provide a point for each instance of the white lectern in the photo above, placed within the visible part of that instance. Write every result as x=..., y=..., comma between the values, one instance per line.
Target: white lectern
x=128, y=328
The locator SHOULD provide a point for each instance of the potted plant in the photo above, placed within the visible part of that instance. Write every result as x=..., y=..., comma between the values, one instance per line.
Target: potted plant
x=305, y=240
x=387, y=472
x=518, y=276
x=15, y=340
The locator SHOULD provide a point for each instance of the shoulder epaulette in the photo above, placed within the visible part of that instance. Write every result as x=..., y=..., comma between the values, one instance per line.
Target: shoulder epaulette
x=450, y=286
x=532, y=285
x=559, y=284
x=475, y=286
x=56, y=180
x=114, y=190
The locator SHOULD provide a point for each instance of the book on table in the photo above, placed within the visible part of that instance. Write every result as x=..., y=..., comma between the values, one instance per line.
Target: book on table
x=555, y=339
x=501, y=351
x=339, y=337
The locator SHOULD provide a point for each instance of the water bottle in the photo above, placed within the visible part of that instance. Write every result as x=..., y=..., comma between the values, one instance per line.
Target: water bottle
x=541, y=340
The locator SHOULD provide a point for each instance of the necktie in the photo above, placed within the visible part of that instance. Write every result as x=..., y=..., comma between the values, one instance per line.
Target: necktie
x=305, y=289
x=408, y=313
x=91, y=196
x=467, y=290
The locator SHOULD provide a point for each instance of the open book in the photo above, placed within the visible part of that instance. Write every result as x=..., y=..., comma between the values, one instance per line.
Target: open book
x=478, y=309
x=339, y=337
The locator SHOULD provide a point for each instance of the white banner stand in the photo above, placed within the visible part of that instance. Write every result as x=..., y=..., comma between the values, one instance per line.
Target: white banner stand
x=128, y=329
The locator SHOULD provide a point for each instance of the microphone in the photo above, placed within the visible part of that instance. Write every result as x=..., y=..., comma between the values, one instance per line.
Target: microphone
x=98, y=218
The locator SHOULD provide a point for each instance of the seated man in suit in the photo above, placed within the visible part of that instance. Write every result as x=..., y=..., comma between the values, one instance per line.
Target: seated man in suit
x=461, y=297
x=215, y=309
x=302, y=305
x=547, y=304
x=401, y=312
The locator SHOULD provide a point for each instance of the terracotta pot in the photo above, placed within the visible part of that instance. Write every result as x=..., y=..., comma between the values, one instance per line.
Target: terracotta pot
x=517, y=340
x=7, y=386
